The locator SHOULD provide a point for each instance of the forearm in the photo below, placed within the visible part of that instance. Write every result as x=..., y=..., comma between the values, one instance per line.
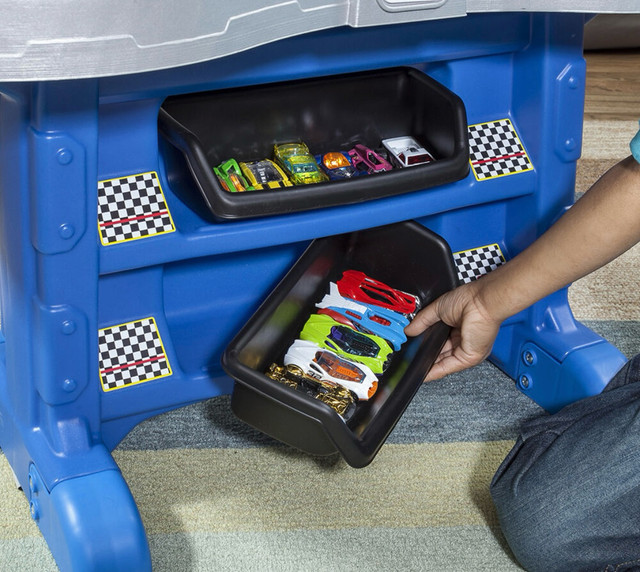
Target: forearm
x=603, y=224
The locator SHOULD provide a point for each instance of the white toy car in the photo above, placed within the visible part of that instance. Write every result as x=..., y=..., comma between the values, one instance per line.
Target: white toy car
x=406, y=152
x=326, y=365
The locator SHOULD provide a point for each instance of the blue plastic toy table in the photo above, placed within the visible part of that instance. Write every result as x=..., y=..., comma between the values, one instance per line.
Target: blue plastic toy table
x=110, y=317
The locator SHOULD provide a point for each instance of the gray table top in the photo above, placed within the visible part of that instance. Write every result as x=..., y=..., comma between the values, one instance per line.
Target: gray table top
x=50, y=40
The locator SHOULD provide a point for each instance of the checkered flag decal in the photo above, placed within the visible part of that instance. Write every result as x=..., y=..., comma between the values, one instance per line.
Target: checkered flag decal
x=495, y=150
x=131, y=353
x=132, y=207
x=474, y=263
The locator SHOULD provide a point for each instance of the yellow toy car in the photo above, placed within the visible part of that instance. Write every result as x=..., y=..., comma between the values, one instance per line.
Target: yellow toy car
x=299, y=163
x=265, y=174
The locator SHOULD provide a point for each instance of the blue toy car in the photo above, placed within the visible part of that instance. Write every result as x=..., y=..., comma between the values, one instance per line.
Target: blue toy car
x=365, y=318
x=337, y=165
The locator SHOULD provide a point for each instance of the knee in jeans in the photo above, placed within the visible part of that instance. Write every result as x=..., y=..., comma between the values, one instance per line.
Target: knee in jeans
x=532, y=528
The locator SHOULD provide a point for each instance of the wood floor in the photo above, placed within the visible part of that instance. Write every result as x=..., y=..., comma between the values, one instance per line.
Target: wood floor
x=613, y=85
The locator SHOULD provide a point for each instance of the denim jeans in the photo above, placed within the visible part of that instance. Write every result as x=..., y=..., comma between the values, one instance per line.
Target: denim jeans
x=568, y=493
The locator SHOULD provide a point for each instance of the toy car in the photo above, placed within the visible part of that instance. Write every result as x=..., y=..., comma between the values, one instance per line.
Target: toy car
x=265, y=174
x=358, y=286
x=337, y=165
x=406, y=152
x=231, y=177
x=365, y=318
x=368, y=161
x=298, y=162
x=339, y=398
x=329, y=366
x=369, y=350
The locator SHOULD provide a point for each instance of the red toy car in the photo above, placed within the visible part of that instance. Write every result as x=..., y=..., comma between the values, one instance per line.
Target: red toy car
x=358, y=286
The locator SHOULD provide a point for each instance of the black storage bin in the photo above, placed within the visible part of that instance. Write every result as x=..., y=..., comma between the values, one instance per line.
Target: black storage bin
x=328, y=114
x=404, y=255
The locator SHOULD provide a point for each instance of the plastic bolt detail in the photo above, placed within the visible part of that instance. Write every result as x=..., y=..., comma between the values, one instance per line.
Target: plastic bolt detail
x=68, y=327
x=34, y=489
x=568, y=105
x=34, y=510
x=524, y=382
x=529, y=358
x=62, y=330
x=33, y=484
x=65, y=156
x=66, y=231
x=69, y=385
x=59, y=193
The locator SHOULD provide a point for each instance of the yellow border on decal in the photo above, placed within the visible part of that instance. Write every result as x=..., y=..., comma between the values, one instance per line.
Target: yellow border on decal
x=164, y=353
x=530, y=168
x=173, y=226
x=502, y=257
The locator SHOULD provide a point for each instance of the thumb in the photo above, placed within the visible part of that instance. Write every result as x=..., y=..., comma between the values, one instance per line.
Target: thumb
x=423, y=320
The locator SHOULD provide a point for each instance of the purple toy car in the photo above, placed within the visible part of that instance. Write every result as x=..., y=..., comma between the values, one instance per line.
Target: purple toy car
x=367, y=160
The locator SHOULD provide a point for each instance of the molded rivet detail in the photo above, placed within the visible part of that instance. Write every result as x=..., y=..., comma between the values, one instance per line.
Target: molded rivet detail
x=573, y=82
x=68, y=327
x=69, y=385
x=34, y=509
x=570, y=144
x=66, y=231
x=65, y=156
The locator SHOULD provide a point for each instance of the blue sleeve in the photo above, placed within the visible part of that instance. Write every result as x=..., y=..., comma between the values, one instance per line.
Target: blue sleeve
x=635, y=147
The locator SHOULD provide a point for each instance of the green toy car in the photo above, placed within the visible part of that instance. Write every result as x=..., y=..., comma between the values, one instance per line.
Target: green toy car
x=368, y=349
x=231, y=177
x=299, y=164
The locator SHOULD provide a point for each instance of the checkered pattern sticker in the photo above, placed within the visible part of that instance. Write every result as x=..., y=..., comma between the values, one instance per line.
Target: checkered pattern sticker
x=477, y=262
x=495, y=150
x=131, y=353
x=132, y=207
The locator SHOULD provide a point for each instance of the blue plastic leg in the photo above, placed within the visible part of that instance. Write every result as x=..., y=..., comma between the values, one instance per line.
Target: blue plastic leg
x=553, y=358
x=90, y=523
x=78, y=498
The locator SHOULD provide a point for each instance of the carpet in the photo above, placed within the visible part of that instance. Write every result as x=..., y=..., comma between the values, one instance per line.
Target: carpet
x=217, y=495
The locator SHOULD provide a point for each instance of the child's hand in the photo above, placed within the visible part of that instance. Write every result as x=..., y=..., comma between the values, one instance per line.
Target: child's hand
x=473, y=329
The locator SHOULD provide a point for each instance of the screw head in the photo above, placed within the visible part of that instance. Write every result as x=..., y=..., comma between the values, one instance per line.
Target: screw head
x=34, y=510
x=524, y=381
x=528, y=357
x=33, y=481
x=33, y=486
